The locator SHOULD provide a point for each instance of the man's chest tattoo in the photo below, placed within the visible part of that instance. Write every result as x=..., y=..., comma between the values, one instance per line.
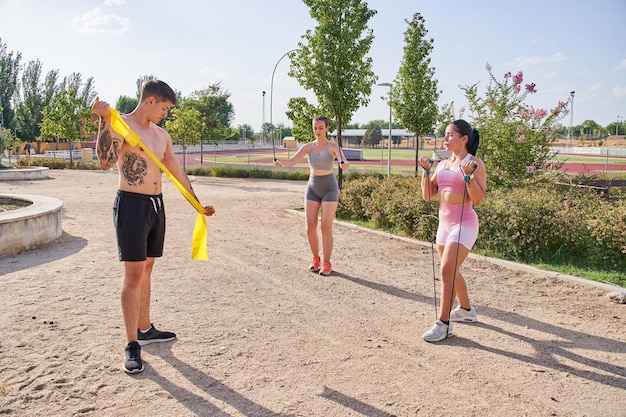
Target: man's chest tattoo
x=134, y=168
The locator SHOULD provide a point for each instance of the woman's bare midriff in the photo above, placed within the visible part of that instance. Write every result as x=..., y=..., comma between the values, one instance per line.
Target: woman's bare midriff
x=448, y=197
x=321, y=172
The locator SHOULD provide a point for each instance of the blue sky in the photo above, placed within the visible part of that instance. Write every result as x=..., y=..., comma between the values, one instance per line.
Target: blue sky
x=560, y=45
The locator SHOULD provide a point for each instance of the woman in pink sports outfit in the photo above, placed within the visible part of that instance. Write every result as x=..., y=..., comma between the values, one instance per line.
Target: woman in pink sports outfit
x=460, y=184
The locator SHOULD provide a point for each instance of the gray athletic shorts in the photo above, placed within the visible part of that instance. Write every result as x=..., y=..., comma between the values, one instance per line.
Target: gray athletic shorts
x=322, y=188
x=139, y=221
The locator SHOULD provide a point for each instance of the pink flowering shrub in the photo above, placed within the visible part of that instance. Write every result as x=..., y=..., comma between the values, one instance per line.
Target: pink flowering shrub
x=513, y=134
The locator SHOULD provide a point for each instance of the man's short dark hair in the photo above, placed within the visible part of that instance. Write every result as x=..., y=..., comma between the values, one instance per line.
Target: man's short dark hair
x=160, y=90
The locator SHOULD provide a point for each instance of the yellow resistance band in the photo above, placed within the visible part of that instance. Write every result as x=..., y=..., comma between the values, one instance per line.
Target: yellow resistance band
x=199, y=249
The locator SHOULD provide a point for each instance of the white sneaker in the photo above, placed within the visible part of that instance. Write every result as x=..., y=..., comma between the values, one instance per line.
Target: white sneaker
x=461, y=314
x=438, y=331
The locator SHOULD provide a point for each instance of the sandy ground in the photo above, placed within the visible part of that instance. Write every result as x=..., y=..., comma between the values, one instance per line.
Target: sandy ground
x=258, y=335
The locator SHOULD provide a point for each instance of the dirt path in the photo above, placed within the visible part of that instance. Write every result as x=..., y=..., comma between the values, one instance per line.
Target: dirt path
x=260, y=336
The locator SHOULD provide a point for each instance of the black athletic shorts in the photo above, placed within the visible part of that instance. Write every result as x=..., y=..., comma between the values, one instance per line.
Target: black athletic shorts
x=139, y=221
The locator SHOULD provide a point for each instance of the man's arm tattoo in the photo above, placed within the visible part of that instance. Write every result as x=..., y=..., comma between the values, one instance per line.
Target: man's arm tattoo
x=108, y=149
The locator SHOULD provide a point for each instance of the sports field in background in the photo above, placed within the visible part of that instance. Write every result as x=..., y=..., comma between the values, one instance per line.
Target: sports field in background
x=376, y=160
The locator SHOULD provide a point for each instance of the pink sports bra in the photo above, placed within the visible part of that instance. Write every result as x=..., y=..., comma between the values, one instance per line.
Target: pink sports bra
x=451, y=179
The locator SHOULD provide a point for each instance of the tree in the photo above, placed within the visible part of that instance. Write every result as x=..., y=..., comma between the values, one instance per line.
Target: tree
x=332, y=61
x=126, y=104
x=35, y=97
x=277, y=131
x=7, y=141
x=591, y=129
x=82, y=92
x=213, y=106
x=185, y=126
x=382, y=124
x=232, y=134
x=615, y=128
x=9, y=68
x=414, y=91
x=67, y=118
x=286, y=131
x=225, y=113
x=301, y=114
x=444, y=118
x=266, y=130
x=246, y=132
x=142, y=79
x=373, y=135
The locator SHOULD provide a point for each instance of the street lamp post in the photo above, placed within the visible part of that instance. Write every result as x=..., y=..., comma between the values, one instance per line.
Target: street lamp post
x=617, y=125
x=571, y=119
x=263, y=121
x=389, y=142
x=272, y=89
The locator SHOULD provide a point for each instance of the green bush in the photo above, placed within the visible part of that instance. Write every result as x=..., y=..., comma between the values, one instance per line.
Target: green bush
x=395, y=205
x=608, y=228
x=355, y=198
x=534, y=223
x=58, y=163
x=248, y=172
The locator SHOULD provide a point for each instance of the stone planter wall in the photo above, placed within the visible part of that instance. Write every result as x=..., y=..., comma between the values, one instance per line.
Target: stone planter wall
x=32, y=226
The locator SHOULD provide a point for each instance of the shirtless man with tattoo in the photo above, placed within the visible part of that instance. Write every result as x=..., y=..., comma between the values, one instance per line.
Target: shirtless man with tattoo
x=138, y=211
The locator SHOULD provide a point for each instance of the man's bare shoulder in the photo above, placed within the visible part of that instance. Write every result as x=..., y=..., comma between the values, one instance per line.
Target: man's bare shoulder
x=159, y=132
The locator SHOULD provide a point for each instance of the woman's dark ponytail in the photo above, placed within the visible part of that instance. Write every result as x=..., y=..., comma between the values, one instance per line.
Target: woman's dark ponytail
x=472, y=143
x=473, y=137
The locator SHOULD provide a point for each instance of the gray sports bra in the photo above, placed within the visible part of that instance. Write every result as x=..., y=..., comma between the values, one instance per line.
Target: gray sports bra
x=324, y=161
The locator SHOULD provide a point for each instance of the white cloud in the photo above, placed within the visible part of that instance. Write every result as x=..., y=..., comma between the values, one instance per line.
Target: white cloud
x=621, y=65
x=521, y=62
x=558, y=57
x=113, y=2
x=211, y=73
x=551, y=74
x=594, y=88
x=97, y=22
x=619, y=91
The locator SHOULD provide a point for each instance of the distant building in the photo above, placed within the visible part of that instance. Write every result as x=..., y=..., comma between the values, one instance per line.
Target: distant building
x=353, y=137
x=290, y=142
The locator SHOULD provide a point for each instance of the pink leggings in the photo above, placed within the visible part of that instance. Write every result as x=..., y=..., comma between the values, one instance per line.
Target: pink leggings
x=452, y=229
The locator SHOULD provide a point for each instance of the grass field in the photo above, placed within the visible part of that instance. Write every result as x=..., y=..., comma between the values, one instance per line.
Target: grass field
x=376, y=160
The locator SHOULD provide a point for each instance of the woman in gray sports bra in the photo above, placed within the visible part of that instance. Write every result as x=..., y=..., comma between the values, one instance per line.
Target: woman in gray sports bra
x=322, y=191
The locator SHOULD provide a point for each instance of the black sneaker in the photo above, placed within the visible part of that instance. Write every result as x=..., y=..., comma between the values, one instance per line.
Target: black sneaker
x=133, y=363
x=154, y=336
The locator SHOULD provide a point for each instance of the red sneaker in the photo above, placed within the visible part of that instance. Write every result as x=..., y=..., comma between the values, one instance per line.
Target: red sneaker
x=327, y=268
x=315, y=264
